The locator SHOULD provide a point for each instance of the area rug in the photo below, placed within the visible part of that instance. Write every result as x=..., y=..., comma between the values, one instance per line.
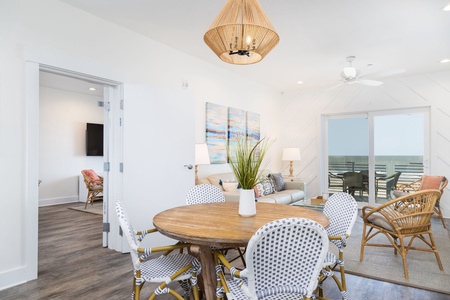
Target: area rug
x=96, y=208
x=382, y=264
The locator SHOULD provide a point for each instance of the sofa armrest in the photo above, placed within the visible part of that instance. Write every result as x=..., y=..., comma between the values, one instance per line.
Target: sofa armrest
x=294, y=184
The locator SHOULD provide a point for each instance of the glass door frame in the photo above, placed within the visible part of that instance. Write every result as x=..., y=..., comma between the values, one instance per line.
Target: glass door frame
x=370, y=115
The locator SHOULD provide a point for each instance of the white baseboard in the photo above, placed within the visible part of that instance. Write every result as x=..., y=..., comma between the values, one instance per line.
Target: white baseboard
x=55, y=201
x=12, y=278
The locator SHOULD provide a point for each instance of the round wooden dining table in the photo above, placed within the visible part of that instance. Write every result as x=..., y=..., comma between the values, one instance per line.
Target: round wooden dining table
x=219, y=224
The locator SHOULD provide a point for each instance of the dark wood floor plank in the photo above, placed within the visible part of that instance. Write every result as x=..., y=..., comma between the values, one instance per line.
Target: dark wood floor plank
x=74, y=265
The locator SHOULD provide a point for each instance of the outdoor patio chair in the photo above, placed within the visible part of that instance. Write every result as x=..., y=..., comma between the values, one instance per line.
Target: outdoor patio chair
x=408, y=216
x=170, y=266
x=280, y=264
x=341, y=209
x=390, y=183
x=354, y=181
x=426, y=182
x=94, y=185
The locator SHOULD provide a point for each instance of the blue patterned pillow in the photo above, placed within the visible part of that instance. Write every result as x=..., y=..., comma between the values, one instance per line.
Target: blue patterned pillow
x=277, y=181
x=267, y=187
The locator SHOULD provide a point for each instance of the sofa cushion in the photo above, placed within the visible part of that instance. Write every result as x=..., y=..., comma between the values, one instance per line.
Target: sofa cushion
x=259, y=190
x=226, y=177
x=277, y=181
x=230, y=186
x=267, y=187
x=282, y=197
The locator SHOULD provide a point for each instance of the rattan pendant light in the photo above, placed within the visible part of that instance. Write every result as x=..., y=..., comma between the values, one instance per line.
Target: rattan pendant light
x=241, y=33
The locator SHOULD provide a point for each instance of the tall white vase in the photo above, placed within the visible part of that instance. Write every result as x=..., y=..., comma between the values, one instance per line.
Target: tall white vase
x=247, y=205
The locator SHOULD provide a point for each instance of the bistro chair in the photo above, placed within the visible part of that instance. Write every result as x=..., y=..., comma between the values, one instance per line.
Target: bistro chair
x=426, y=182
x=204, y=193
x=284, y=259
x=208, y=193
x=94, y=185
x=341, y=209
x=408, y=216
x=170, y=266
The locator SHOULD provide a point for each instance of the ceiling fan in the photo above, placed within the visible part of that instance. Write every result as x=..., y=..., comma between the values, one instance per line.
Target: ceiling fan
x=352, y=75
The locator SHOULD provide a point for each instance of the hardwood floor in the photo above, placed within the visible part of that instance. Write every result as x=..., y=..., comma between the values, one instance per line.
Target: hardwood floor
x=74, y=265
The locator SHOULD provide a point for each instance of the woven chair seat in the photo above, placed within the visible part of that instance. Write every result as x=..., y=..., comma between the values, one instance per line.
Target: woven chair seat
x=169, y=267
x=330, y=259
x=159, y=269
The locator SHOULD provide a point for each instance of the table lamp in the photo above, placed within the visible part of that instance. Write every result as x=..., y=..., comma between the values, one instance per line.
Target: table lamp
x=201, y=157
x=291, y=154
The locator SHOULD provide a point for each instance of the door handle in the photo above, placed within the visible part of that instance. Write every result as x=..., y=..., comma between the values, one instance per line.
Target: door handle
x=188, y=166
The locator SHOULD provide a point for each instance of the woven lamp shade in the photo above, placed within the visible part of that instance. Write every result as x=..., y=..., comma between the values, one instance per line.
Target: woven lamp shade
x=243, y=29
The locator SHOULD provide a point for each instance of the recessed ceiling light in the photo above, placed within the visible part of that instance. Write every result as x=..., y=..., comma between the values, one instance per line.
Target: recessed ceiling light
x=445, y=60
x=299, y=82
x=92, y=89
x=446, y=8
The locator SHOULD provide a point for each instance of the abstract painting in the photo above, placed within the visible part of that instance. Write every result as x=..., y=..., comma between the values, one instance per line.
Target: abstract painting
x=253, y=128
x=236, y=127
x=216, y=132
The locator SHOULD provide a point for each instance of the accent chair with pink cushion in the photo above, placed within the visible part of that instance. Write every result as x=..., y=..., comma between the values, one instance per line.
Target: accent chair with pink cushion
x=94, y=185
x=427, y=182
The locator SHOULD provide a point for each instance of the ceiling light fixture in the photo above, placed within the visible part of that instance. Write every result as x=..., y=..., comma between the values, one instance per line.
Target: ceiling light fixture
x=92, y=89
x=445, y=60
x=446, y=8
x=299, y=82
x=241, y=34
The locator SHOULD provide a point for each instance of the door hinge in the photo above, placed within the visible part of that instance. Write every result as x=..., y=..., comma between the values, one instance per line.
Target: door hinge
x=121, y=167
x=105, y=104
x=105, y=227
x=106, y=166
x=120, y=231
x=121, y=104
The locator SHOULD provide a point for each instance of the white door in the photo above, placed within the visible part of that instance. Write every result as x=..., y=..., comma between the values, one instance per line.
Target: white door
x=158, y=141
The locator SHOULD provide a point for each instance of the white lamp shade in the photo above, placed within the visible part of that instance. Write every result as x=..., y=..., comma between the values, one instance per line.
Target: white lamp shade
x=201, y=154
x=291, y=154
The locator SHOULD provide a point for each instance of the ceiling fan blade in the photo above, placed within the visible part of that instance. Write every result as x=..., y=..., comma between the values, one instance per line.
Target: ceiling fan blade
x=333, y=87
x=383, y=74
x=369, y=82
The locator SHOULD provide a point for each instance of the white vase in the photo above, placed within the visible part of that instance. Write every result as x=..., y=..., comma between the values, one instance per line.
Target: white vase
x=247, y=205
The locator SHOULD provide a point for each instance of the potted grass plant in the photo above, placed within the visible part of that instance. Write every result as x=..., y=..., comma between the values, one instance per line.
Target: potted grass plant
x=246, y=158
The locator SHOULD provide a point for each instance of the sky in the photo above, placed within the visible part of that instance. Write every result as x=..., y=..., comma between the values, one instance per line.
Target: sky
x=398, y=135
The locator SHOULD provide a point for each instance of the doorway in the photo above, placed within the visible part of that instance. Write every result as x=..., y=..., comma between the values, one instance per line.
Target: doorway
x=68, y=102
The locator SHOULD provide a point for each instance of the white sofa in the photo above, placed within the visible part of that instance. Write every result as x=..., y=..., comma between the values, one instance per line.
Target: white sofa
x=295, y=190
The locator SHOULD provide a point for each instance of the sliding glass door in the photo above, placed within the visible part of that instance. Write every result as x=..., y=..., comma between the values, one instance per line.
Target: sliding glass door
x=367, y=155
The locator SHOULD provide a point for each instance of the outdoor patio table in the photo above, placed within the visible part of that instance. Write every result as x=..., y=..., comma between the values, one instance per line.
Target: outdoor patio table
x=219, y=224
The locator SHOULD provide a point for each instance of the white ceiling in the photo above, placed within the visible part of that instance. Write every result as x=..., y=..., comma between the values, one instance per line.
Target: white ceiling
x=315, y=35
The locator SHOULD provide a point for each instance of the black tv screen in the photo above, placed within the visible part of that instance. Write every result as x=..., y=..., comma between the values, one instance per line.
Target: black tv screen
x=94, y=139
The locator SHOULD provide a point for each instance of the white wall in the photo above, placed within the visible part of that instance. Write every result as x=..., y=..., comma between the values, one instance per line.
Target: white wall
x=302, y=113
x=56, y=34
x=62, y=148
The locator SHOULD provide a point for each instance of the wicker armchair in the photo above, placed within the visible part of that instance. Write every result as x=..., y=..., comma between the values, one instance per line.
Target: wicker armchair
x=341, y=209
x=406, y=216
x=166, y=268
x=94, y=185
x=280, y=265
x=426, y=182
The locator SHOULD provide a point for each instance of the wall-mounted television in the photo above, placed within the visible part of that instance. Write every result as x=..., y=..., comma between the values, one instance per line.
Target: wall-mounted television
x=94, y=139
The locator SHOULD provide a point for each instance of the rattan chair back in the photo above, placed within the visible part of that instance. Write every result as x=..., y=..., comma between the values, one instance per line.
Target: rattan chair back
x=204, y=193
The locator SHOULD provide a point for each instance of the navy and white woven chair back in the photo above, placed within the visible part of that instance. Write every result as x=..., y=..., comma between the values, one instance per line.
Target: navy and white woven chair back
x=204, y=193
x=128, y=232
x=285, y=257
x=342, y=210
